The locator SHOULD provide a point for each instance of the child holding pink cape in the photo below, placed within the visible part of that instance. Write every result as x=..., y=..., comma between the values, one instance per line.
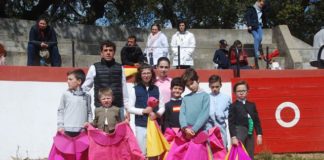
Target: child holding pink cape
x=192, y=142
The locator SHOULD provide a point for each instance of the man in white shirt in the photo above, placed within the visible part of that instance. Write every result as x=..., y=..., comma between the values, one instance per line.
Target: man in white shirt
x=108, y=74
x=186, y=41
x=318, y=42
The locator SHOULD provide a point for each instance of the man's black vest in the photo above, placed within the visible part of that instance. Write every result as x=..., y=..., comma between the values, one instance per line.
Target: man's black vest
x=109, y=74
x=141, y=101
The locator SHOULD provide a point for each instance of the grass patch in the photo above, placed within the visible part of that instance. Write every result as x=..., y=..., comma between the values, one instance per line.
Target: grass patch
x=269, y=156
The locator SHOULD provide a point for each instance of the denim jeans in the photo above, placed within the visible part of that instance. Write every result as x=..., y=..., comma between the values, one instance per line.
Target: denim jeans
x=33, y=53
x=257, y=35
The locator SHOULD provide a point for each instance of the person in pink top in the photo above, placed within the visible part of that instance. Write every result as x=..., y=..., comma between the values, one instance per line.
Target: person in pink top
x=163, y=81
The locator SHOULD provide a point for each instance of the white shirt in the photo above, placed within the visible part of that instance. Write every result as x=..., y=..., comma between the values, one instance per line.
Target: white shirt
x=139, y=111
x=318, y=42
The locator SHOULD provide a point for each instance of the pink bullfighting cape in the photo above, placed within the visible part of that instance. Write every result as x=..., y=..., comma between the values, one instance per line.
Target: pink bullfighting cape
x=69, y=148
x=204, y=146
x=120, y=145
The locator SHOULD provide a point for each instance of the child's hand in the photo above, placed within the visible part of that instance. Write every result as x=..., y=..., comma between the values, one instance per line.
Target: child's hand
x=147, y=110
x=153, y=116
x=259, y=139
x=86, y=124
x=189, y=133
x=235, y=141
x=61, y=130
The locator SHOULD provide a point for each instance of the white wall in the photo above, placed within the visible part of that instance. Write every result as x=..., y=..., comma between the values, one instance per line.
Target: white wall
x=28, y=116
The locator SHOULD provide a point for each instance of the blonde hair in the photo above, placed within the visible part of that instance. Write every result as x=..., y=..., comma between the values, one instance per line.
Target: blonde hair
x=105, y=92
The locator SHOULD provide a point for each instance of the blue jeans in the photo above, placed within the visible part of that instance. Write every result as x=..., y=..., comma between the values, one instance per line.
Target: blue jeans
x=33, y=53
x=257, y=35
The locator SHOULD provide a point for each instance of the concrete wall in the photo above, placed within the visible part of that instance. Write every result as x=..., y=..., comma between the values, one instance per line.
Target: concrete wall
x=14, y=34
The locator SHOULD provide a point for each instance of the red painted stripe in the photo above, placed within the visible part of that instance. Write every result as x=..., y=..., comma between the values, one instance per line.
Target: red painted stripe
x=57, y=74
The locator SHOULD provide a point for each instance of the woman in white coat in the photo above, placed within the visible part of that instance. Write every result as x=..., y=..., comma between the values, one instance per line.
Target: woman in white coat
x=186, y=41
x=157, y=45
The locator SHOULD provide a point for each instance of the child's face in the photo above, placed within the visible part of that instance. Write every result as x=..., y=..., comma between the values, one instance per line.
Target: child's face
x=215, y=87
x=176, y=91
x=146, y=75
x=106, y=100
x=73, y=83
x=163, y=68
x=193, y=86
x=241, y=92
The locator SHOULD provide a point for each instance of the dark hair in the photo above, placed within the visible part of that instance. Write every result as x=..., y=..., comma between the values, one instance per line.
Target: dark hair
x=241, y=82
x=138, y=78
x=185, y=23
x=214, y=78
x=105, y=91
x=157, y=25
x=42, y=17
x=108, y=43
x=177, y=82
x=163, y=59
x=132, y=37
x=79, y=74
x=189, y=75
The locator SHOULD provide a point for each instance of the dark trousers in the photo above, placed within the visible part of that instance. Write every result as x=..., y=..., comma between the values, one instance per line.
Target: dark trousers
x=247, y=140
x=72, y=134
x=33, y=55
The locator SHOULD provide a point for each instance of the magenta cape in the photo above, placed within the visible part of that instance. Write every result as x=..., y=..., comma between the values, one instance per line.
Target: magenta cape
x=197, y=147
x=69, y=148
x=120, y=145
x=237, y=153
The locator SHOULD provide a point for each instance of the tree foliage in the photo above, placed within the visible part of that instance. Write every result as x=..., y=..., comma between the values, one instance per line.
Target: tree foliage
x=303, y=18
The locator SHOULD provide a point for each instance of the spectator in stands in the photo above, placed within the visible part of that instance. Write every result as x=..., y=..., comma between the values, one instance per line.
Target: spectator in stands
x=221, y=58
x=186, y=41
x=131, y=54
x=255, y=18
x=163, y=81
x=238, y=56
x=319, y=42
x=243, y=118
x=108, y=73
x=74, y=112
x=157, y=45
x=43, y=37
x=219, y=104
x=3, y=54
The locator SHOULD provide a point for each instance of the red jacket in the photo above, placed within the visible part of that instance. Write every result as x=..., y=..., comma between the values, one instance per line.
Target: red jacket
x=242, y=58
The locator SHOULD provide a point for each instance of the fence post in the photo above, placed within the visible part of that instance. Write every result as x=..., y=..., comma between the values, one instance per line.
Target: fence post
x=178, y=57
x=267, y=57
x=319, y=60
x=237, y=71
x=73, y=53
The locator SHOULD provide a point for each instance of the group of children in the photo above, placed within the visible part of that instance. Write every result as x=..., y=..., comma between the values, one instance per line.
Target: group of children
x=196, y=112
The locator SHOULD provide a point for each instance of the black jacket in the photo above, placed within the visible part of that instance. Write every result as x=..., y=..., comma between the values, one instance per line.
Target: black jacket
x=131, y=55
x=221, y=58
x=238, y=116
x=251, y=17
x=48, y=36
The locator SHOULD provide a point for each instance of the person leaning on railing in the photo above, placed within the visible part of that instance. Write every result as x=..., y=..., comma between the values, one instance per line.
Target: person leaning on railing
x=42, y=37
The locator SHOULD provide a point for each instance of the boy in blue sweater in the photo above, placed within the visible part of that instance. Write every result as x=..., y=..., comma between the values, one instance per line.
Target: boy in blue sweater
x=194, y=111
